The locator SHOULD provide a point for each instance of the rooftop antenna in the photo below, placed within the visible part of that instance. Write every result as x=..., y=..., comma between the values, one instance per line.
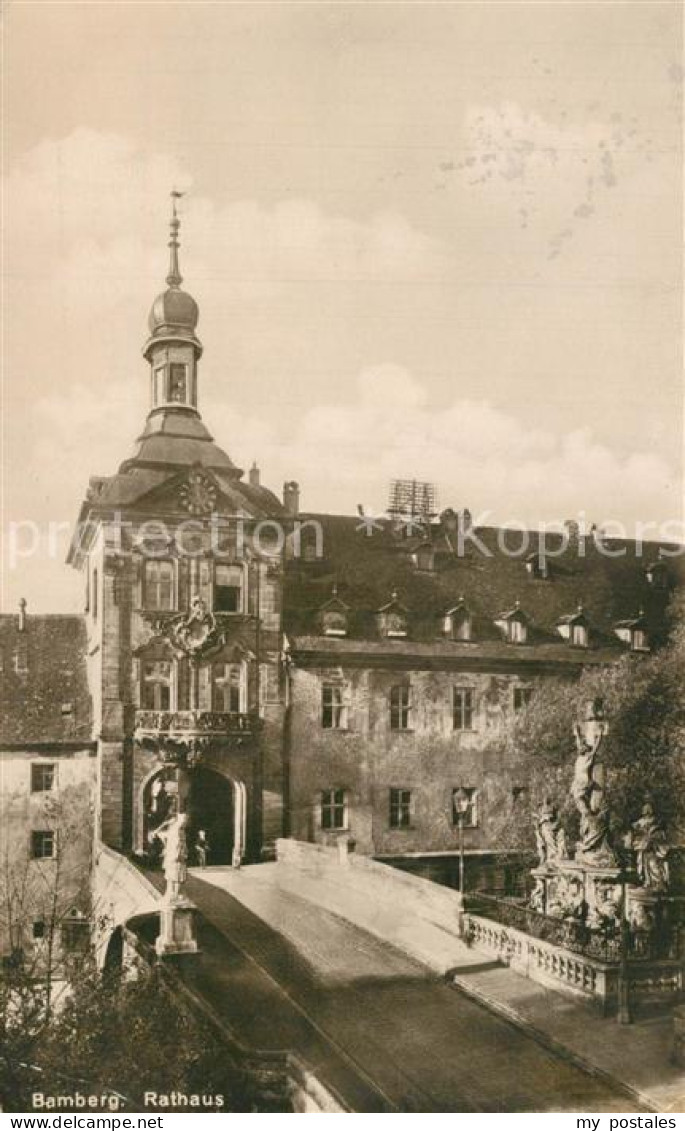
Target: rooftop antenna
x=412, y=498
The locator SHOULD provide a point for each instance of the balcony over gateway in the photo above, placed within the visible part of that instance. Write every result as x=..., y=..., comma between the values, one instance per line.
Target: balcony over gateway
x=184, y=736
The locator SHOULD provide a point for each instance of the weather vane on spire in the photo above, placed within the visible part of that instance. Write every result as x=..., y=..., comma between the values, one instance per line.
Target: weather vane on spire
x=174, y=278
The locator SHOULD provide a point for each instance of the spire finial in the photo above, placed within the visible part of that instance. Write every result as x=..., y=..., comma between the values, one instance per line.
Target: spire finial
x=174, y=278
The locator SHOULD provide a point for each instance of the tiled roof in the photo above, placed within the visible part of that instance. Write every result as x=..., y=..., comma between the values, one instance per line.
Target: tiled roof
x=367, y=568
x=44, y=695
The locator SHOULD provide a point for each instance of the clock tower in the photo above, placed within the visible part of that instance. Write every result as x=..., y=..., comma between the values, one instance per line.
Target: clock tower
x=181, y=565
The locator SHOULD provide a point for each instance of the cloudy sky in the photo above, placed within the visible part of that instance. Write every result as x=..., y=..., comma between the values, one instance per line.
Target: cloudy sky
x=440, y=241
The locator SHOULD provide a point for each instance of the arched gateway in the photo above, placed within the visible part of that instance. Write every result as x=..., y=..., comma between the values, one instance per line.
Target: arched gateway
x=216, y=803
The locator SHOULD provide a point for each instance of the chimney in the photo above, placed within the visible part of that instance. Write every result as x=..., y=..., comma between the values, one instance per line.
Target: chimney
x=22, y=614
x=572, y=533
x=291, y=498
x=254, y=475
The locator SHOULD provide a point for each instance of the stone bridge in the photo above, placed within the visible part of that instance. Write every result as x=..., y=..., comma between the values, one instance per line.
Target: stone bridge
x=120, y=893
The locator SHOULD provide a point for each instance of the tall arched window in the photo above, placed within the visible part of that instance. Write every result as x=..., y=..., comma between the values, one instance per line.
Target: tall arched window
x=96, y=594
x=156, y=685
x=228, y=589
x=159, y=585
x=228, y=688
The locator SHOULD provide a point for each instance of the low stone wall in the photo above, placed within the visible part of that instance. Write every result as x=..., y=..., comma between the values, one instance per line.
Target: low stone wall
x=429, y=901
x=308, y=1093
x=651, y=984
x=120, y=892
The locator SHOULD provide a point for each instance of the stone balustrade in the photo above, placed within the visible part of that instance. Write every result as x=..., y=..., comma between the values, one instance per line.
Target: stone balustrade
x=651, y=983
x=195, y=723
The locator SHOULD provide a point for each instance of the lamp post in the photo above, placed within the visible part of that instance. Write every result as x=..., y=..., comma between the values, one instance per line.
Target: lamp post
x=624, y=1015
x=461, y=802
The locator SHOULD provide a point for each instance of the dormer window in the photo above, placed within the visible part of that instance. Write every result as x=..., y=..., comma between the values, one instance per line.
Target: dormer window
x=517, y=632
x=639, y=641
x=634, y=633
x=579, y=634
x=514, y=625
x=333, y=616
x=424, y=558
x=458, y=623
x=392, y=619
x=575, y=628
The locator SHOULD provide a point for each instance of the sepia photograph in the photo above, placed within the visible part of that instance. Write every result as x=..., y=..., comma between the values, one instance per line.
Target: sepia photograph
x=342, y=644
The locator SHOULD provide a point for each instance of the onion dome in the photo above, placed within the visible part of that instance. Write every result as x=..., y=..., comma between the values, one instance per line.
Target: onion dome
x=174, y=312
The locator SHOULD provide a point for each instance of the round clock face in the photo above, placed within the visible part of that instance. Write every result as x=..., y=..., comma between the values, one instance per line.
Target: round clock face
x=198, y=495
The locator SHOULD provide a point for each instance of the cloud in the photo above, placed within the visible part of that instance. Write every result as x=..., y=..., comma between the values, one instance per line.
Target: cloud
x=93, y=203
x=478, y=455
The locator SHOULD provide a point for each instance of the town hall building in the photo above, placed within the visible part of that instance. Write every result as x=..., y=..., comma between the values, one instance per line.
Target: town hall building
x=274, y=672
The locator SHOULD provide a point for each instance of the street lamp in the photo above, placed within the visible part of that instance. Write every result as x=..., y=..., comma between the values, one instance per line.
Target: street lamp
x=461, y=802
x=624, y=1016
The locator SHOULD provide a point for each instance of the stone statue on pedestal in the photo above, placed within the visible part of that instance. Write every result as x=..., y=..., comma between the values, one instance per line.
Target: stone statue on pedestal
x=587, y=789
x=177, y=914
x=649, y=839
x=174, y=837
x=549, y=834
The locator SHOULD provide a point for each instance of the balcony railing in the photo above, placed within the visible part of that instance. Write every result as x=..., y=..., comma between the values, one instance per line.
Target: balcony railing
x=574, y=935
x=184, y=725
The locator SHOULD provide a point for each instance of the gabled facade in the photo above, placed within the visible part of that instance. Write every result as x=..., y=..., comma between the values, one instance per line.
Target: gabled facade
x=183, y=628
x=412, y=704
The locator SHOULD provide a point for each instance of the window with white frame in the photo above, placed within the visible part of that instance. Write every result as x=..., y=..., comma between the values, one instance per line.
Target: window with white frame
x=158, y=585
x=178, y=383
x=75, y=932
x=333, y=809
x=333, y=707
x=228, y=588
x=522, y=697
x=463, y=702
x=43, y=777
x=400, y=808
x=579, y=634
x=334, y=622
x=639, y=641
x=228, y=688
x=156, y=685
x=468, y=797
x=517, y=630
x=460, y=625
x=43, y=844
x=400, y=707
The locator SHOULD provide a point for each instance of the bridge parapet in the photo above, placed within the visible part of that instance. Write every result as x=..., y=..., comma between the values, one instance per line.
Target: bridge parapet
x=120, y=892
x=418, y=916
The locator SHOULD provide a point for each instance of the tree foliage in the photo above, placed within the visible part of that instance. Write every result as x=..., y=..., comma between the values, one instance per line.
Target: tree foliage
x=643, y=754
x=119, y=1036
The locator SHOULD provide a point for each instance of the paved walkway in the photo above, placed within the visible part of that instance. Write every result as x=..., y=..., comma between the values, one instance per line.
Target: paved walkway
x=636, y=1057
x=415, y=1043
